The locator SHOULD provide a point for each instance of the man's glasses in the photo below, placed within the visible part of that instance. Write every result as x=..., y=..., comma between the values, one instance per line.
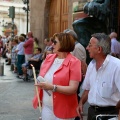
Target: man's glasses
x=55, y=42
x=90, y=45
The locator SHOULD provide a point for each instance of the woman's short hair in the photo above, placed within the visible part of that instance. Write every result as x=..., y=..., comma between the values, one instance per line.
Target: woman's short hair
x=67, y=42
x=23, y=35
x=36, y=40
x=15, y=40
x=21, y=38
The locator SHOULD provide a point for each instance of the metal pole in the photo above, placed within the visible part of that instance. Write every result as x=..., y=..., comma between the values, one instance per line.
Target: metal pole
x=27, y=15
x=12, y=67
x=12, y=27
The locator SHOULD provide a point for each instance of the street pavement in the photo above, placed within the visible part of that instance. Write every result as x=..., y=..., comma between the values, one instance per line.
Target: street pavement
x=16, y=97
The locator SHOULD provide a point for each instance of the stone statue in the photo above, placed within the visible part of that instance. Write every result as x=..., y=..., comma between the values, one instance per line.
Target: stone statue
x=86, y=26
x=97, y=8
x=97, y=20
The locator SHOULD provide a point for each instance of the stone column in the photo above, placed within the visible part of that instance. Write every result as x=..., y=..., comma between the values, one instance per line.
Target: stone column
x=37, y=19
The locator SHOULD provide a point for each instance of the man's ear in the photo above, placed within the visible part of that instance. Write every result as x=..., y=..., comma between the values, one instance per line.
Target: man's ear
x=100, y=49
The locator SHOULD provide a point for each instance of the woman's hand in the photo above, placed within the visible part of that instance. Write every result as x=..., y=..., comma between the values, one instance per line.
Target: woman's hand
x=45, y=85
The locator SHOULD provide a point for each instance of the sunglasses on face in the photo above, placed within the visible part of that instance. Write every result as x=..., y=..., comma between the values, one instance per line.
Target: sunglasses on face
x=55, y=42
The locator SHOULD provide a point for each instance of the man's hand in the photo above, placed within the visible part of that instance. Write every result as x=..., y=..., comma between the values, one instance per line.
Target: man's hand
x=80, y=111
x=83, y=99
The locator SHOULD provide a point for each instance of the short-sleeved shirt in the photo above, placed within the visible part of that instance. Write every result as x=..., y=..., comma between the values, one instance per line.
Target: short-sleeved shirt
x=20, y=48
x=37, y=56
x=35, y=45
x=68, y=70
x=79, y=52
x=29, y=46
x=115, y=46
x=103, y=84
x=14, y=55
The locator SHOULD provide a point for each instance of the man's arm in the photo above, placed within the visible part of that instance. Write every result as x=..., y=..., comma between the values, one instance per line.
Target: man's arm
x=25, y=45
x=83, y=67
x=82, y=101
x=33, y=59
x=84, y=97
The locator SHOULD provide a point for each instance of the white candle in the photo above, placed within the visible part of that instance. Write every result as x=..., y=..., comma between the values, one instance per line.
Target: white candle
x=36, y=87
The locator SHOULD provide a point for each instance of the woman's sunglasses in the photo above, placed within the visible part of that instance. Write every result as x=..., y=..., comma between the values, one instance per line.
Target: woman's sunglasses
x=55, y=42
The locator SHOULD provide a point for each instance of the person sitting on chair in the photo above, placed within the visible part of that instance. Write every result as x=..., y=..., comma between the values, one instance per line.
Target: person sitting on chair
x=35, y=61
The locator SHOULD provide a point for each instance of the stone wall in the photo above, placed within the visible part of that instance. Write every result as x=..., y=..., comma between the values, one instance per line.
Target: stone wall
x=70, y=20
x=39, y=18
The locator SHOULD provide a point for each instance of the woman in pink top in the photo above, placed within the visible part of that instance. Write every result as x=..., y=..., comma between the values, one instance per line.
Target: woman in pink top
x=61, y=72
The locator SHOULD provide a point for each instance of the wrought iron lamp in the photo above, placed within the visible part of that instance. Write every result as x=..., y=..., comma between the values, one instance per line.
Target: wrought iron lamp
x=26, y=10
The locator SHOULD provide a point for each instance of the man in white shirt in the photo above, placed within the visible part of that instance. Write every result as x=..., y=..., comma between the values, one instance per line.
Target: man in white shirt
x=102, y=82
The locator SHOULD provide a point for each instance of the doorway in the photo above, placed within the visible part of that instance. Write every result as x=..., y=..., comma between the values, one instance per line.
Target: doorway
x=58, y=17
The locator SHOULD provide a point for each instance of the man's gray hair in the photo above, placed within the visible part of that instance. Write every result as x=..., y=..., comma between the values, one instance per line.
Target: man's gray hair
x=104, y=42
x=71, y=32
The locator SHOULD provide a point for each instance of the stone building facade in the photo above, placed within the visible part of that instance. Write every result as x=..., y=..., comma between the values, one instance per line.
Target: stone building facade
x=39, y=17
x=19, y=20
x=40, y=12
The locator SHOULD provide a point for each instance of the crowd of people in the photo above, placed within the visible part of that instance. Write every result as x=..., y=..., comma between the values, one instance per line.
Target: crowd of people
x=21, y=51
x=63, y=68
